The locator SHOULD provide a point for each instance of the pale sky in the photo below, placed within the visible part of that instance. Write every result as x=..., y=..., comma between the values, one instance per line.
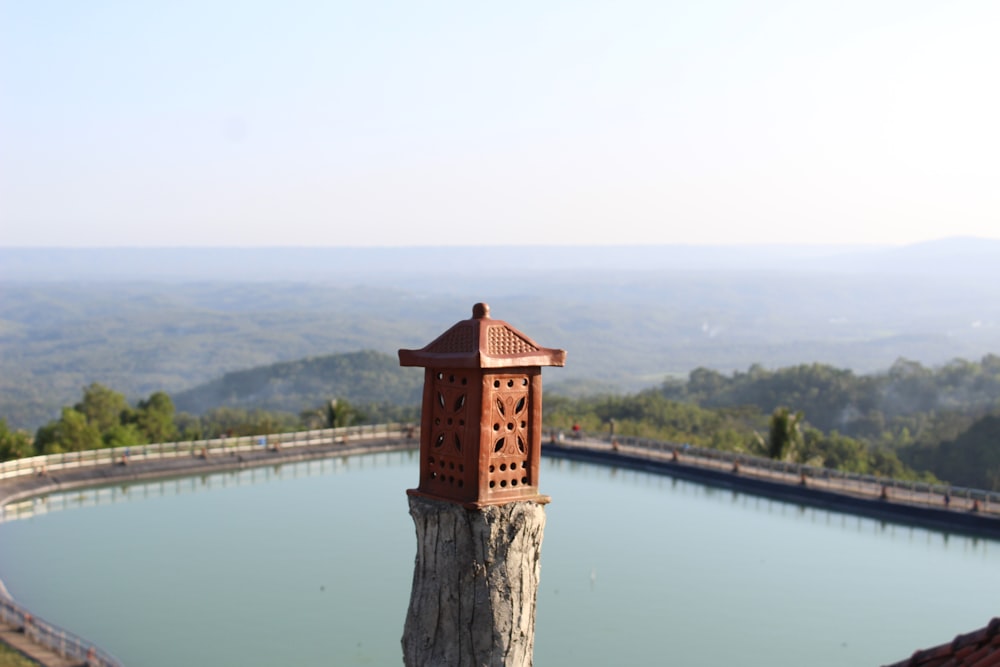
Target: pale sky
x=325, y=123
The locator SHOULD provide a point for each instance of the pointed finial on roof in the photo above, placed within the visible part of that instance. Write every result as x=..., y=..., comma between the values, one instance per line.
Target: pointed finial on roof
x=482, y=342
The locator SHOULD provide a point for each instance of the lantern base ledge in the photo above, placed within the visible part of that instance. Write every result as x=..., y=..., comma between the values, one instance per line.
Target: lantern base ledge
x=539, y=498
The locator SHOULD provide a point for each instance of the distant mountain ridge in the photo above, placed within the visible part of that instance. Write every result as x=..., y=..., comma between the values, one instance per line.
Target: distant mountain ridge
x=362, y=378
x=390, y=263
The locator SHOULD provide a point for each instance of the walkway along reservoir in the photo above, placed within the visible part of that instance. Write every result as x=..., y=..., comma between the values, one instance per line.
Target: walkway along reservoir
x=939, y=507
x=253, y=454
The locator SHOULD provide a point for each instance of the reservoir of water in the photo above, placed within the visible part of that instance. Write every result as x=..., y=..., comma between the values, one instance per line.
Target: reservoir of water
x=310, y=564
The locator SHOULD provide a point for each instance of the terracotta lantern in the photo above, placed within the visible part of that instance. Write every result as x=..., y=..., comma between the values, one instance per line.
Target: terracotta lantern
x=480, y=434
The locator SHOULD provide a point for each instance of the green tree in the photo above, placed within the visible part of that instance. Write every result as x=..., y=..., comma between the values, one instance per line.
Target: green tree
x=230, y=422
x=970, y=459
x=155, y=418
x=704, y=383
x=785, y=434
x=70, y=433
x=189, y=427
x=13, y=444
x=123, y=435
x=103, y=407
x=340, y=413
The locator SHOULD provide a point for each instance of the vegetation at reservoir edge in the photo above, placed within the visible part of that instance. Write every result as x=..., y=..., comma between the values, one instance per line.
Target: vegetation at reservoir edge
x=701, y=345
x=11, y=658
x=909, y=422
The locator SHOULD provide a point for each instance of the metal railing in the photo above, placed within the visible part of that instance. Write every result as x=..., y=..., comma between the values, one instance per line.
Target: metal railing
x=49, y=463
x=341, y=461
x=54, y=638
x=957, y=497
x=214, y=447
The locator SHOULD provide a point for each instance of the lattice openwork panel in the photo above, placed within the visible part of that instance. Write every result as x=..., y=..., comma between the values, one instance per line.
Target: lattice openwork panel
x=446, y=456
x=510, y=457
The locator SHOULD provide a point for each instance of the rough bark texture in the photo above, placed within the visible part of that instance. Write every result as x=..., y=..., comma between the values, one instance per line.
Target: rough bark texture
x=475, y=583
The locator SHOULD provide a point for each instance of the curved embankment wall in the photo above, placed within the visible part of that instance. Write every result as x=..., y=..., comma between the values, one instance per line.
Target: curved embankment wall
x=28, y=486
x=939, y=519
x=981, y=524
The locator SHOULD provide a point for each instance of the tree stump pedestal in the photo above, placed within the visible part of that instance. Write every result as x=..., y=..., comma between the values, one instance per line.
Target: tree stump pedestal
x=475, y=584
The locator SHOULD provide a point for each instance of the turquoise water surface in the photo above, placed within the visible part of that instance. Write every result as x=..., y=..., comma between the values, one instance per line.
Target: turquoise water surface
x=310, y=564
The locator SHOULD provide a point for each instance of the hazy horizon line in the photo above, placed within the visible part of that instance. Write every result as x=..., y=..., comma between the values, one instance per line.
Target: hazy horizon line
x=763, y=244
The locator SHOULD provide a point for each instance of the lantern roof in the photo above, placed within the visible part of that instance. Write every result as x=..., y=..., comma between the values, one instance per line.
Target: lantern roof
x=482, y=342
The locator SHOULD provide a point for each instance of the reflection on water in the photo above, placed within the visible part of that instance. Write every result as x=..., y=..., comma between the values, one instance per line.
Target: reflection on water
x=306, y=564
x=832, y=519
x=107, y=495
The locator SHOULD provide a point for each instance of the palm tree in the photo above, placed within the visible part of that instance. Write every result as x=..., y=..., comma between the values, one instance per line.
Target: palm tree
x=785, y=433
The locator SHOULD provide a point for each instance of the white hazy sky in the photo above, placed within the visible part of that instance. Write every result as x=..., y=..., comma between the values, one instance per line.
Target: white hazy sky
x=317, y=122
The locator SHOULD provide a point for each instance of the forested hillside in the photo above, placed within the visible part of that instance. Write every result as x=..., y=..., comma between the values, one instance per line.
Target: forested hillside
x=907, y=422
x=908, y=404
x=623, y=330
x=366, y=378
x=972, y=457
x=55, y=339
x=867, y=344
x=945, y=419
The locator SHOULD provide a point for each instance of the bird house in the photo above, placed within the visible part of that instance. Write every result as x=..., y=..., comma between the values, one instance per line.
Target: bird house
x=481, y=419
